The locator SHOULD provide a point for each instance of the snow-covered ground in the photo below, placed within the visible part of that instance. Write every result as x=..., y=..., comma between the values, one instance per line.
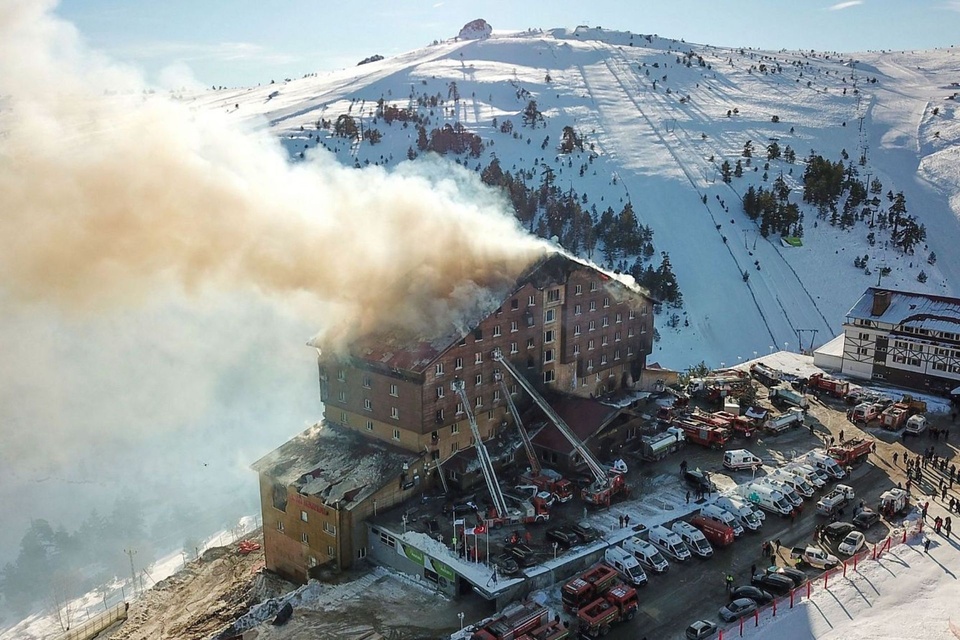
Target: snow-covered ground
x=663, y=153
x=42, y=626
x=907, y=593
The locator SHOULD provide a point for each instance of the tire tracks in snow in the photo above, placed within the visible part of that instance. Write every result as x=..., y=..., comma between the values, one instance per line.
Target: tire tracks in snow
x=690, y=179
x=683, y=167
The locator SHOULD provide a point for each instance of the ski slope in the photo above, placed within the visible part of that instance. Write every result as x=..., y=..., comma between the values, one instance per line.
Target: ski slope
x=664, y=154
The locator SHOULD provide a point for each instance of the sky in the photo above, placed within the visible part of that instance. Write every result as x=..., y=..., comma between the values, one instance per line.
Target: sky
x=246, y=42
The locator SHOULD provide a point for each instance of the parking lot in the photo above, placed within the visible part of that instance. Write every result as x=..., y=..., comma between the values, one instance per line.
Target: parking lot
x=696, y=588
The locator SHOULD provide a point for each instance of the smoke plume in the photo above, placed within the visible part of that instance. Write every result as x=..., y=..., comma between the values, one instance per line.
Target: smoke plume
x=162, y=267
x=108, y=196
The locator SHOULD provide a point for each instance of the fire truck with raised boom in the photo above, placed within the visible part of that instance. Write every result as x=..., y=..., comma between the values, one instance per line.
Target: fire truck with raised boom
x=607, y=483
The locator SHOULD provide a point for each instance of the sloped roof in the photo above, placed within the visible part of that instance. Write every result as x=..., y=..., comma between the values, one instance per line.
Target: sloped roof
x=585, y=416
x=920, y=310
x=334, y=464
x=406, y=351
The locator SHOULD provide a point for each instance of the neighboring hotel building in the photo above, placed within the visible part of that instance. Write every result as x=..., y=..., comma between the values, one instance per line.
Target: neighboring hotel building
x=570, y=327
x=905, y=339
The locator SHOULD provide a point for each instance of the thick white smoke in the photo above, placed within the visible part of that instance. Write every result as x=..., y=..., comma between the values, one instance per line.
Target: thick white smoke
x=161, y=268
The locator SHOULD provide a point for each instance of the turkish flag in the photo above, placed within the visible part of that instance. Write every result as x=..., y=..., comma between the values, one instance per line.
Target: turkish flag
x=479, y=529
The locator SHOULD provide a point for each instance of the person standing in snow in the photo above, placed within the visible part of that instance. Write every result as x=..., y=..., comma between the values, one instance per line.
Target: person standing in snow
x=926, y=545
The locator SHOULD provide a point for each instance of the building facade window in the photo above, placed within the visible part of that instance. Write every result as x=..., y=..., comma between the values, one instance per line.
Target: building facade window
x=548, y=335
x=369, y=425
x=577, y=310
x=548, y=356
x=548, y=376
x=553, y=295
x=514, y=347
x=304, y=538
x=394, y=391
x=394, y=413
x=496, y=331
x=303, y=516
x=367, y=404
x=341, y=375
x=593, y=305
x=578, y=290
x=458, y=364
x=342, y=396
x=367, y=383
x=439, y=369
x=280, y=526
x=478, y=357
x=330, y=528
x=396, y=434
x=440, y=391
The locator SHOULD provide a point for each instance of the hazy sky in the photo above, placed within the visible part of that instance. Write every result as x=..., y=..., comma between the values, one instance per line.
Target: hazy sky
x=243, y=42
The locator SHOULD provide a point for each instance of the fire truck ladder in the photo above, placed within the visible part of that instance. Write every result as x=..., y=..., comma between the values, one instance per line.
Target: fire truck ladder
x=486, y=465
x=439, y=463
x=527, y=442
x=599, y=473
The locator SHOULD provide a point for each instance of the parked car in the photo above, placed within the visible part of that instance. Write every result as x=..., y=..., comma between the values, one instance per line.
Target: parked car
x=866, y=519
x=506, y=564
x=564, y=537
x=700, y=630
x=852, y=543
x=774, y=583
x=460, y=508
x=796, y=575
x=756, y=594
x=737, y=609
x=522, y=554
x=837, y=531
x=699, y=480
x=584, y=531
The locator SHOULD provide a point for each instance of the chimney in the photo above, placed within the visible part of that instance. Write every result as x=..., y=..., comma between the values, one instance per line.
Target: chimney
x=881, y=300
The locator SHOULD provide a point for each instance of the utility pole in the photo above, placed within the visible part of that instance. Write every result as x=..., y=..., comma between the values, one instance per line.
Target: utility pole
x=133, y=572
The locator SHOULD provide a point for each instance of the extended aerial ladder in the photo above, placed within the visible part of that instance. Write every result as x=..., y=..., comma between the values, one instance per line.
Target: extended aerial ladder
x=486, y=465
x=535, y=466
x=605, y=485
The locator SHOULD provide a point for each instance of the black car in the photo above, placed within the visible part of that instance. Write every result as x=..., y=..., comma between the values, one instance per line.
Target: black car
x=866, y=519
x=796, y=575
x=756, y=594
x=506, y=564
x=837, y=531
x=699, y=480
x=564, y=537
x=585, y=532
x=774, y=583
x=522, y=554
x=460, y=508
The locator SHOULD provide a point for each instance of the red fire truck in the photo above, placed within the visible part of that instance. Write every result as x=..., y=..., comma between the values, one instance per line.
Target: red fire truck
x=515, y=621
x=588, y=586
x=620, y=603
x=851, y=451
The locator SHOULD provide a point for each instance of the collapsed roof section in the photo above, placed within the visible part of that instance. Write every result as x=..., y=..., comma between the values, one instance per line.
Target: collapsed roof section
x=334, y=464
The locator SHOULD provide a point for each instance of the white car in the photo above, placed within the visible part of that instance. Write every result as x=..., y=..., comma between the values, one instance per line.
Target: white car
x=852, y=543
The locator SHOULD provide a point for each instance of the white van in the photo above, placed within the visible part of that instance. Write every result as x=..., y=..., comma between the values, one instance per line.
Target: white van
x=737, y=459
x=820, y=460
x=647, y=554
x=799, y=485
x=669, y=542
x=916, y=425
x=742, y=511
x=626, y=565
x=792, y=496
x=765, y=497
x=808, y=473
x=693, y=538
x=718, y=514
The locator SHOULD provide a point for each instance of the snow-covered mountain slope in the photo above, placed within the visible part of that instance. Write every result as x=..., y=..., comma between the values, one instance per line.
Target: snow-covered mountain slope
x=659, y=117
